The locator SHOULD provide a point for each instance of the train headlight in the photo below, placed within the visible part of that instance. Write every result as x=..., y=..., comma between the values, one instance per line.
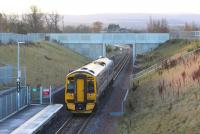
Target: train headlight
x=71, y=94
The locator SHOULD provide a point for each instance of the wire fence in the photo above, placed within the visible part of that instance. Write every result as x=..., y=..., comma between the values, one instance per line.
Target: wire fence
x=8, y=76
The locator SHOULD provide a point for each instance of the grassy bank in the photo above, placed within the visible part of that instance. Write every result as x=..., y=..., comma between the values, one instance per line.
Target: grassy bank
x=166, y=101
x=46, y=63
x=166, y=50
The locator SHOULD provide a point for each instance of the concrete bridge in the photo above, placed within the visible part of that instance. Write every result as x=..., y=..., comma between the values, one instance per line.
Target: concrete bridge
x=93, y=44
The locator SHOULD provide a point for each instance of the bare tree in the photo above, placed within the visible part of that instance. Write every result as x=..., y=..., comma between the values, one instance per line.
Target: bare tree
x=97, y=26
x=49, y=24
x=113, y=28
x=55, y=18
x=52, y=21
x=69, y=29
x=191, y=26
x=3, y=23
x=63, y=22
x=83, y=29
x=13, y=23
x=34, y=20
x=77, y=29
x=157, y=26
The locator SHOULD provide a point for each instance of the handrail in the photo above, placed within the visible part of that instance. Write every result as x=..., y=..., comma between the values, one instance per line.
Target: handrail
x=157, y=65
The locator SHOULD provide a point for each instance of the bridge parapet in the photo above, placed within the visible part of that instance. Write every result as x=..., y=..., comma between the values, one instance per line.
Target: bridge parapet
x=109, y=38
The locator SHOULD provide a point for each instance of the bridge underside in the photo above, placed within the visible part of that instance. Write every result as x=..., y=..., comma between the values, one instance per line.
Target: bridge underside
x=95, y=50
x=92, y=45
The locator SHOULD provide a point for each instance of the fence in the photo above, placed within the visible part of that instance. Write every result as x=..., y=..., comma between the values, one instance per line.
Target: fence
x=157, y=65
x=13, y=37
x=185, y=35
x=6, y=74
x=41, y=95
x=12, y=101
x=91, y=38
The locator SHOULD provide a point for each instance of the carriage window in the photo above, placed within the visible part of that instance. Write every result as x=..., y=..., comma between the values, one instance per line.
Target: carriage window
x=91, y=86
x=71, y=86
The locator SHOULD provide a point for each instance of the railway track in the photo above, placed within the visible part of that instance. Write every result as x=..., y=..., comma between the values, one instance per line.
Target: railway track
x=76, y=124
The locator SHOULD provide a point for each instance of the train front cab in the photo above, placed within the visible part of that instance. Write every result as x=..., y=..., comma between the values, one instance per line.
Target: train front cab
x=80, y=92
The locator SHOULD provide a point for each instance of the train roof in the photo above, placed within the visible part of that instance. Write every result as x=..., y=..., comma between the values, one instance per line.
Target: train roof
x=95, y=67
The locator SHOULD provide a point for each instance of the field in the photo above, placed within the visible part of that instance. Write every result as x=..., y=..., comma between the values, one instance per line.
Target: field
x=166, y=101
x=46, y=63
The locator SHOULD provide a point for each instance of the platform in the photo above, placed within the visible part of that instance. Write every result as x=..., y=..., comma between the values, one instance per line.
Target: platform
x=34, y=124
x=10, y=124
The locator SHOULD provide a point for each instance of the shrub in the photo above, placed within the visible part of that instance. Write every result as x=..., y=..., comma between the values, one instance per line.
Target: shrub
x=135, y=85
x=190, y=49
x=196, y=75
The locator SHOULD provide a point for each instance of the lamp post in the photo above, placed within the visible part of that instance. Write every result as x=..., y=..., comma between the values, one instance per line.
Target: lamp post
x=18, y=74
x=103, y=47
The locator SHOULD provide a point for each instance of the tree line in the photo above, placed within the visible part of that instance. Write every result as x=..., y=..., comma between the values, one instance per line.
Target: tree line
x=162, y=26
x=38, y=22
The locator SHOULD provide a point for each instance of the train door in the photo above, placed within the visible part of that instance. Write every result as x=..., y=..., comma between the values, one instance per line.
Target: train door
x=80, y=90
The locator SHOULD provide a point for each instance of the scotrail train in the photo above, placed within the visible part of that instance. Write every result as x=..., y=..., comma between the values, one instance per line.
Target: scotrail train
x=85, y=85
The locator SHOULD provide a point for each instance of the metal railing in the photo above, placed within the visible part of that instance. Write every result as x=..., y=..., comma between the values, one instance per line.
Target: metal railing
x=157, y=65
x=10, y=102
x=41, y=95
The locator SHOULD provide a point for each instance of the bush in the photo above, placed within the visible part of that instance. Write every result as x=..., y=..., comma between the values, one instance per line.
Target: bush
x=108, y=49
x=190, y=49
x=135, y=85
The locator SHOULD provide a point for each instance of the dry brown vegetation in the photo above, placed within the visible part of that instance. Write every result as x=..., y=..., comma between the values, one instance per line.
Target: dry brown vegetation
x=166, y=101
x=165, y=51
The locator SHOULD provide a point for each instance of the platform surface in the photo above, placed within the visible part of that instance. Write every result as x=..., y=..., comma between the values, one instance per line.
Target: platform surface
x=38, y=120
x=13, y=122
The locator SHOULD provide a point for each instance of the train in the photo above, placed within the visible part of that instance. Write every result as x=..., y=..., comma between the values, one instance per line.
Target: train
x=85, y=86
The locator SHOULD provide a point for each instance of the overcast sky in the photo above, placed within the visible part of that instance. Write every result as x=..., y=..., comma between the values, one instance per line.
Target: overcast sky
x=85, y=7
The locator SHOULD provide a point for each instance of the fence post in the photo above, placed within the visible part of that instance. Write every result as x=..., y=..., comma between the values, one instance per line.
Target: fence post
x=41, y=94
x=50, y=94
x=122, y=107
x=18, y=100
x=28, y=95
x=25, y=76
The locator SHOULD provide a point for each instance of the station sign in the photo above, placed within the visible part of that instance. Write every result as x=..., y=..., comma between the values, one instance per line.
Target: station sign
x=34, y=89
x=46, y=92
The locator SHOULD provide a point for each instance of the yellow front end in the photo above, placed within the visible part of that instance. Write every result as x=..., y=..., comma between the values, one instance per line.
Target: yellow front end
x=80, y=92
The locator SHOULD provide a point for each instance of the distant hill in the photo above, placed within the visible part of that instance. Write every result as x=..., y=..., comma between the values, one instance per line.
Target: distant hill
x=131, y=20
